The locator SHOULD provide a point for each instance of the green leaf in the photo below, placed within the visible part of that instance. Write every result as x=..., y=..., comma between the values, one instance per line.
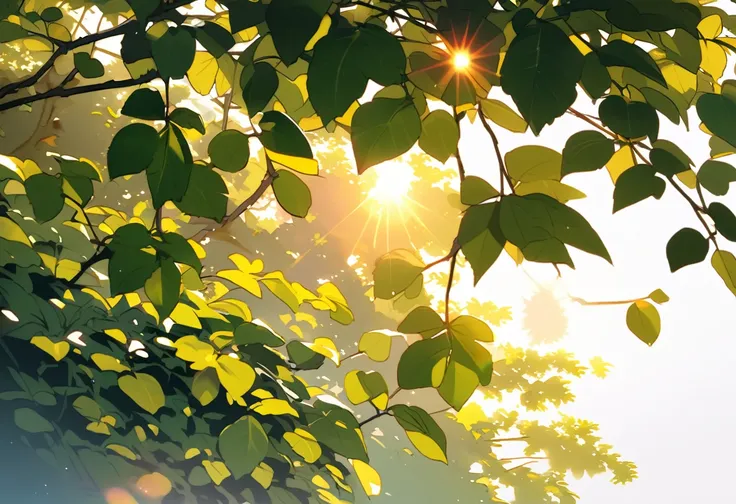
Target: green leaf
x=422, y=320
x=552, y=188
x=376, y=345
x=206, y=194
x=51, y=14
x=501, y=114
x=338, y=430
x=724, y=220
x=422, y=431
x=249, y=333
x=659, y=296
x=229, y=150
x=259, y=87
x=458, y=384
x=475, y=190
x=530, y=163
x=144, y=390
x=667, y=163
x=383, y=129
x=686, y=247
x=44, y=192
x=132, y=150
x=206, y=386
x=292, y=193
x=162, y=288
x=143, y=9
x=724, y=263
x=168, y=173
x=245, y=14
x=243, y=445
x=534, y=77
x=629, y=119
x=71, y=168
x=173, y=52
x=281, y=135
x=471, y=328
x=129, y=269
x=30, y=421
x=636, y=184
x=716, y=176
x=87, y=66
x=187, y=118
x=586, y=151
x=11, y=31
x=595, y=78
x=361, y=387
x=440, y=134
x=216, y=39
x=418, y=362
x=717, y=113
x=343, y=64
x=395, y=272
x=540, y=225
x=293, y=23
x=643, y=320
x=662, y=103
x=145, y=103
x=618, y=53
x=303, y=356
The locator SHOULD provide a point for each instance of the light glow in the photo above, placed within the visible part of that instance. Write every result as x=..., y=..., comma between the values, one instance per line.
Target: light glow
x=392, y=183
x=461, y=60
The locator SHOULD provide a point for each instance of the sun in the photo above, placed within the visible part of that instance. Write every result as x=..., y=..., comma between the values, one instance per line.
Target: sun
x=461, y=60
x=392, y=183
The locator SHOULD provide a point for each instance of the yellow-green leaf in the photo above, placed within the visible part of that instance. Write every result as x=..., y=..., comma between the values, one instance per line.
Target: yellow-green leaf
x=144, y=390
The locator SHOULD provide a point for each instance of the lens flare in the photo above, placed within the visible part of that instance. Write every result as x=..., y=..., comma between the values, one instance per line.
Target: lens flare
x=461, y=60
x=392, y=183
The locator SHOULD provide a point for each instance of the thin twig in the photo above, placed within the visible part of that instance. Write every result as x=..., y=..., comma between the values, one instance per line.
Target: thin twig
x=604, y=303
x=587, y=119
x=453, y=251
x=503, y=173
x=449, y=286
x=392, y=12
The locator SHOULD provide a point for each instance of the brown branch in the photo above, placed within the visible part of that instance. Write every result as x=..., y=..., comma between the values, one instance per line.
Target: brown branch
x=453, y=251
x=460, y=165
x=503, y=173
x=371, y=418
x=62, y=92
x=449, y=286
x=604, y=303
x=266, y=182
x=587, y=119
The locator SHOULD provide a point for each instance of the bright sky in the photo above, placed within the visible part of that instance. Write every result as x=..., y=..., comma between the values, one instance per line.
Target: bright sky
x=668, y=407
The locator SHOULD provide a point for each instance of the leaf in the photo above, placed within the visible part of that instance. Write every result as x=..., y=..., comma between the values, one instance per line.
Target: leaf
x=724, y=263
x=187, y=118
x=57, y=350
x=132, y=150
x=471, y=328
x=586, y=151
x=173, y=53
x=618, y=53
x=292, y=193
x=716, y=176
x=243, y=445
x=636, y=184
x=206, y=194
x=272, y=406
x=46, y=196
x=259, y=87
x=595, y=79
x=216, y=39
x=686, y=247
x=423, y=364
x=235, y=375
x=249, y=333
x=30, y=421
x=168, y=173
x=369, y=478
x=422, y=320
x=304, y=357
x=383, y=129
x=475, y=190
x=532, y=75
x=342, y=65
x=530, y=163
x=724, y=220
x=440, y=134
x=304, y=444
x=144, y=390
x=286, y=144
x=395, y=272
x=88, y=408
x=422, y=430
x=145, y=103
x=229, y=151
x=162, y=288
x=717, y=113
x=293, y=23
x=643, y=320
x=371, y=386
x=376, y=345
x=552, y=188
x=205, y=386
x=51, y=14
x=501, y=114
x=88, y=67
x=658, y=296
x=540, y=225
x=630, y=120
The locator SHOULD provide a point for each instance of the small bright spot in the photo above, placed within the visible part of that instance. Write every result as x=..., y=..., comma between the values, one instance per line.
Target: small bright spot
x=76, y=338
x=461, y=60
x=476, y=468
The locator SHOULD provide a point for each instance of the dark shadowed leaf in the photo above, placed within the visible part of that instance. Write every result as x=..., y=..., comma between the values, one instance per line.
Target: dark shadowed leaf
x=132, y=150
x=293, y=23
x=206, y=194
x=47, y=198
x=686, y=247
x=586, y=151
x=145, y=103
x=229, y=151
x=636, y=184
x=243, y=445
x=440, y=134
x=292, y=193
x=716, y=176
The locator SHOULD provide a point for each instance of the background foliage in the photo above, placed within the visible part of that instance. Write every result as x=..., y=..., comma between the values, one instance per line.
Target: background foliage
x=167, y=328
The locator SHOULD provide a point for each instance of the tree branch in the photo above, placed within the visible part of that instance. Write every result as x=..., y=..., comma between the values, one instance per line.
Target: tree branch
x=62, y=92
x=503, y=173
x=392, y=12
x=587, y=119
x=453, y=251
x=449, y=286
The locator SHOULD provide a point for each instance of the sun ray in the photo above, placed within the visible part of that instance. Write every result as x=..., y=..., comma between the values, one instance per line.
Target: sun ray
x=378, y=227
x=403, y=224
x=362, y=232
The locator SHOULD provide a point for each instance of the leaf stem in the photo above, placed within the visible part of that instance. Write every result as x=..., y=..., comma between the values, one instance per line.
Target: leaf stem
x=453, y=259
x=503, y=173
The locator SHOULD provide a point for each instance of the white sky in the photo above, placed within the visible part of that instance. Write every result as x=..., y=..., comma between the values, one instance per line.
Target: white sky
x=668, y=408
